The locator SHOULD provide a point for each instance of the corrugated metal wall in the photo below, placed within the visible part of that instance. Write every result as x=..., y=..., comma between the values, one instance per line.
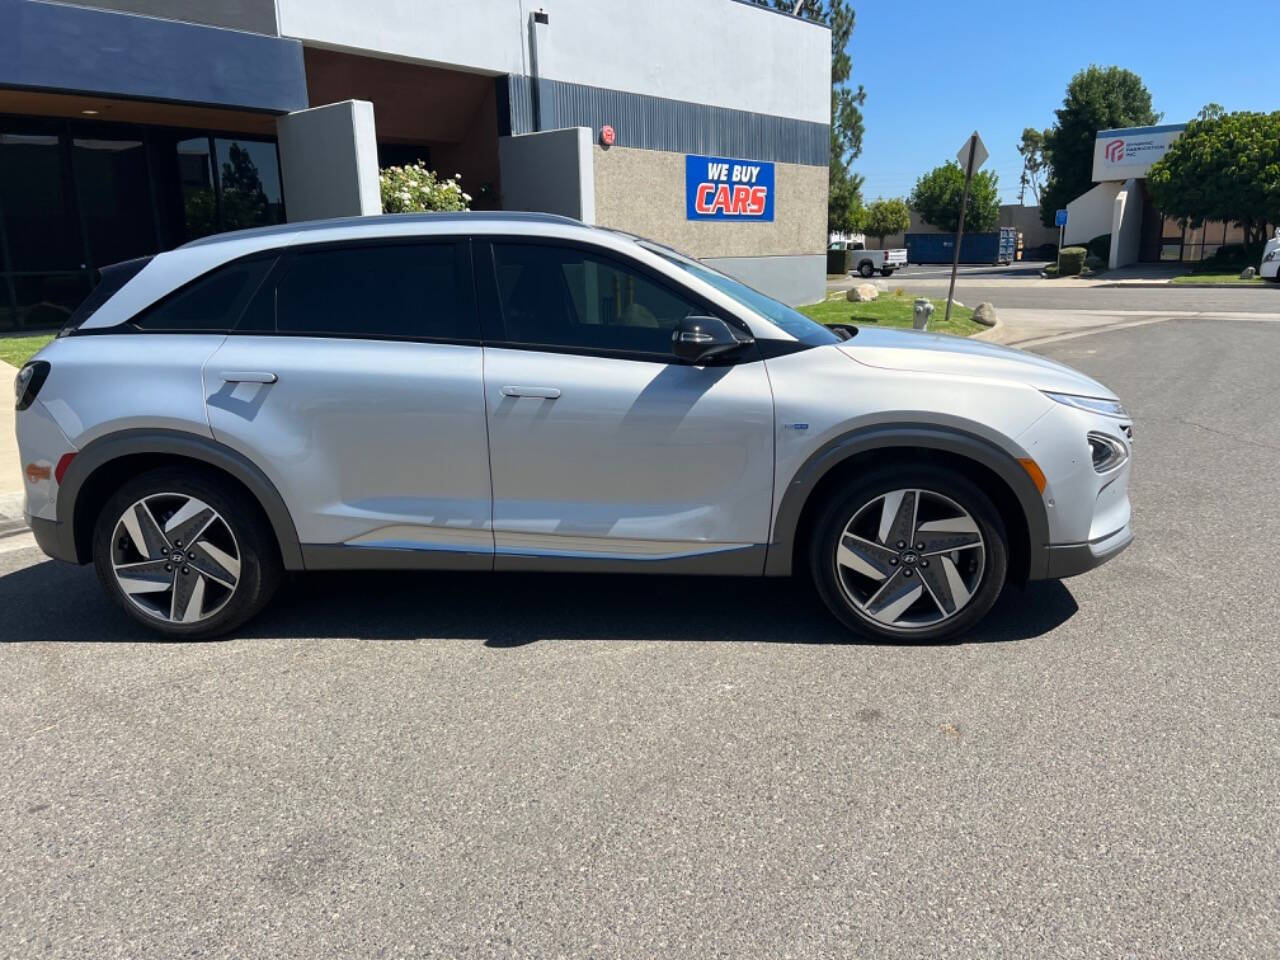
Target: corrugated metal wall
x=655, y=123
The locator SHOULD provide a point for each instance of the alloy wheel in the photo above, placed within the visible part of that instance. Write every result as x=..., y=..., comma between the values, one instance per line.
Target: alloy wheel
x=910, y=559
x=175, y=558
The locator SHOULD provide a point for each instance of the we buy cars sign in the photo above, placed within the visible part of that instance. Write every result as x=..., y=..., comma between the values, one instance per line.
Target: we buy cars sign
x=720, y=188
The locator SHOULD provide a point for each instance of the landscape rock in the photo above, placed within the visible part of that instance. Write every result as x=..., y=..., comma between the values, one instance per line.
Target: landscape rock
x=862, y=293
x=1248, y=273
x=985, y=314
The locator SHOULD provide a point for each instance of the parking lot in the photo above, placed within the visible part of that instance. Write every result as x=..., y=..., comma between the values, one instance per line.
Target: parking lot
x=538, y=766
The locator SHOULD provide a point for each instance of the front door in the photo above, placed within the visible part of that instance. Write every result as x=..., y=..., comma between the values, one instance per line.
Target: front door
x=605, y=452
x=354, y=381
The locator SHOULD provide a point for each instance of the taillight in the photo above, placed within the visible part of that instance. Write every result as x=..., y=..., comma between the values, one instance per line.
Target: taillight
x=29, y=381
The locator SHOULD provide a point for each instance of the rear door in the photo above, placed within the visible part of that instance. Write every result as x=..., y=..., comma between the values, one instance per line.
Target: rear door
x=606, y=451
x=354, y=380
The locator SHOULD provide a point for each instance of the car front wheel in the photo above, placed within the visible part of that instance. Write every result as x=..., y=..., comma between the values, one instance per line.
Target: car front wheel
x=914, y=554
x=185, y=554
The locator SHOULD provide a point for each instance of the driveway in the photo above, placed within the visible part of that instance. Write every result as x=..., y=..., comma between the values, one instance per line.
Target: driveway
x=523, y=766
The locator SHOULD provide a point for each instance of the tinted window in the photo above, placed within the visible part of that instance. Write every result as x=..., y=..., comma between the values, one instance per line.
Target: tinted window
x=560, y=296
x=808, y=332
x=113, y=278
x=212, y=303
x=376, y=291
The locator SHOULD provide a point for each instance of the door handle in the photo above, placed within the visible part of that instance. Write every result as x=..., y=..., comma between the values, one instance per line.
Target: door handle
x=248, y=376
x=538, y=393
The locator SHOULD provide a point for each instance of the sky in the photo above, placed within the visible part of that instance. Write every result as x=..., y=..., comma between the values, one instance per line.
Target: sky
x=936, y=70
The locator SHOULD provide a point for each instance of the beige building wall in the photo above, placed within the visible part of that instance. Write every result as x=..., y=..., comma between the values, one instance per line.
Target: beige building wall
x=642, y=192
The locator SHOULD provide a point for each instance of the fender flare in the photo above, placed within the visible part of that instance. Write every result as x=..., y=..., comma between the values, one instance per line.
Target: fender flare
x=914, y=436
x=192, y=446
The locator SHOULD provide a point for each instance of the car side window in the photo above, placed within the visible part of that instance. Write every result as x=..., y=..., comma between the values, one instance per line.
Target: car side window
x=211, y=304
x=409, y=291
x=569, y=297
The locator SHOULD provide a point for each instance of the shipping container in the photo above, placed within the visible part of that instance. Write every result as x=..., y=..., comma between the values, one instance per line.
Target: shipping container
x=999, y=246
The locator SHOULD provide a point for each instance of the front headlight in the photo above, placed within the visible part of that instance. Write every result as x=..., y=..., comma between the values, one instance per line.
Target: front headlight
x=1108, y=408
x=1270, y=256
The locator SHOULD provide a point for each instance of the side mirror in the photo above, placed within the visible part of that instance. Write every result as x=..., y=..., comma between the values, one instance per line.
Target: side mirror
x=699, y=339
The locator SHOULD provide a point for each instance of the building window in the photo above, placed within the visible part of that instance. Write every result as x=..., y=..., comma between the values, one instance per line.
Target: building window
x=76, y=196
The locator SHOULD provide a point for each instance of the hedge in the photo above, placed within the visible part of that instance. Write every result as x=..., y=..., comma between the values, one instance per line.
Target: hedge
x=1071, y=260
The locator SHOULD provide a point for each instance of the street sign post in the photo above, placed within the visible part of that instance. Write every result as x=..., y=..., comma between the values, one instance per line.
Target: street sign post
x=972, y=155
x=1060, y=220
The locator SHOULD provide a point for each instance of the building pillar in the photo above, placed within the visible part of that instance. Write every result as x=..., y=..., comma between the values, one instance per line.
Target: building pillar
x=550, y=172
x=329, y=161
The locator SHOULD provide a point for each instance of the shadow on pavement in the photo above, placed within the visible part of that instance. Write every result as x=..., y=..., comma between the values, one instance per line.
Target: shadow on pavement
x=55, y=602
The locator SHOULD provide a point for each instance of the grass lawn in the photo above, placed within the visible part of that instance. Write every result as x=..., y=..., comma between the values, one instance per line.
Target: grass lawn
x=893, y=309
x=1233, y=278
x=18, y=350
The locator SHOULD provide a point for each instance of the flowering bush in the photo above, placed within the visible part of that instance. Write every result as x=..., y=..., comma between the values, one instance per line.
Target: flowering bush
x=415, y=189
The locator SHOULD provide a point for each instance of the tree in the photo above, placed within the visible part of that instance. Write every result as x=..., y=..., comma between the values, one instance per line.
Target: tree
x=1031, y=147
x=844, y=187
x=885, y=217
x=1097, y=98
x=937, y=194
x=1224, y=167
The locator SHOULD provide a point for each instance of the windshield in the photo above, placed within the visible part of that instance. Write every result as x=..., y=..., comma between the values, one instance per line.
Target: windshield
x=809, y=332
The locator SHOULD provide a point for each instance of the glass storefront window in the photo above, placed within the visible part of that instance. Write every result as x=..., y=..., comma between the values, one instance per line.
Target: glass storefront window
x=199, y=202
x=77, y=195
x=46, y=302
x=114, y=192
x=39, y=218
x=249, y=180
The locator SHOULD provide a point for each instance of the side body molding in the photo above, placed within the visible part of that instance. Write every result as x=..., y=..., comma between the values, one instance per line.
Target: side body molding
x=912, y=436
x=173, y=443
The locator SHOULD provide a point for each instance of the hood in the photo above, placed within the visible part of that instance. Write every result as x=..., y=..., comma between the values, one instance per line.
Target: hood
x=959, y=356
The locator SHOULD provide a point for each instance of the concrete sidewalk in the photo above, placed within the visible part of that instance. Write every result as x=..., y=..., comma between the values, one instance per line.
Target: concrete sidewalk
x=11, y=478
x=1022, y=327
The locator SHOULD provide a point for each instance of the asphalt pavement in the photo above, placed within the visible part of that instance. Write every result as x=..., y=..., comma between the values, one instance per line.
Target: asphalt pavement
x=545, y=766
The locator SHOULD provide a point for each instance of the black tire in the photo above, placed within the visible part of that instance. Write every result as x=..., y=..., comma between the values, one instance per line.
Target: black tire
x=886, y=271
x=260, y=569
x=829, y=528
x=866, y=268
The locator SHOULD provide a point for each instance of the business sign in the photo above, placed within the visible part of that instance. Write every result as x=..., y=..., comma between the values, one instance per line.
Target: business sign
x=720, y=188
x=1120, y=154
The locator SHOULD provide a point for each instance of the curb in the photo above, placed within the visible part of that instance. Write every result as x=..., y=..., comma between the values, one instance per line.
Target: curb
x=1167, y=284
x=989, y=334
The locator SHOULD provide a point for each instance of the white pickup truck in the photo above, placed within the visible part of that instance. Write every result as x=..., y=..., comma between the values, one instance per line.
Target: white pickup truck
x=867, y=262
x=1269, y=269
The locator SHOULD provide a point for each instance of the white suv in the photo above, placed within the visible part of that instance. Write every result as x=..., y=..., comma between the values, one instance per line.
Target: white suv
x=522, y=392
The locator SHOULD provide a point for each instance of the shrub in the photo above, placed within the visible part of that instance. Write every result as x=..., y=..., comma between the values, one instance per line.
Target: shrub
x=839, y=261
x=1071, y=260
x=1236, y=255
x=1051, y=270
x=1095, y=263
x=415, y=189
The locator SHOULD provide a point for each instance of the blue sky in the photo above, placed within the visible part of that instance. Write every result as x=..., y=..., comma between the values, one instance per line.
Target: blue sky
x=1013, y=64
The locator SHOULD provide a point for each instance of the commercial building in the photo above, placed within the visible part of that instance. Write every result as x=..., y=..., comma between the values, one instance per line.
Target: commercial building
x=1119, y=205
x=132, y=126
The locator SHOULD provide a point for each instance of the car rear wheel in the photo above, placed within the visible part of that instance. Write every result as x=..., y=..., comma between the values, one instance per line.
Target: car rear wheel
x=866, y=268
x=916, y=554
x=185, y=554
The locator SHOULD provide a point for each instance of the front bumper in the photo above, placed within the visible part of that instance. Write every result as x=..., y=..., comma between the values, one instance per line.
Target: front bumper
x=1071, y=559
